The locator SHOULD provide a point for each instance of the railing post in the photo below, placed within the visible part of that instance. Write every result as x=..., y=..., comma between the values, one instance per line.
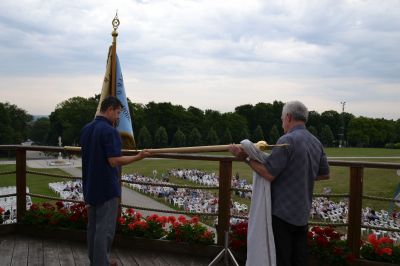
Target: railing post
x=20, y=161
x=355, y=208
x=224, y=201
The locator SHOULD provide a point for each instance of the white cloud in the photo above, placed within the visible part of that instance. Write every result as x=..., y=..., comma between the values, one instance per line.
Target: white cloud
x=222, y=54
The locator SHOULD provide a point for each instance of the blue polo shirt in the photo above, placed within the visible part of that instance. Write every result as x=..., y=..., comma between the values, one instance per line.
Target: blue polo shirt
x=99, y=141
x=295, y=168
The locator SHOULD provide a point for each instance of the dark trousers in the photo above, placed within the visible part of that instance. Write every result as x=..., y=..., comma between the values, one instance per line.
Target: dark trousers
x=102, y=219
x=290, y=243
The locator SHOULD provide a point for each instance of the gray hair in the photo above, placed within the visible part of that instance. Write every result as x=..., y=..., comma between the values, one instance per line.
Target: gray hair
x=297, y=109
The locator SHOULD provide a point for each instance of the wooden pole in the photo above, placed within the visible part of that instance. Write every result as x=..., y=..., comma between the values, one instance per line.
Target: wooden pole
x=20, y=164
x=195, y=149
x=224, y=200
x=355, y=208
x=115, y=23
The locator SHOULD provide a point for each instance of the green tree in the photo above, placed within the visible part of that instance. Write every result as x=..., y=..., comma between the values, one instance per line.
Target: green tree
x=69, y=117
x=212, y=137
x=179, y=139
x=326, y=136
x=313, y=131
x=144, y=140
x=244, y=134
x=14, y=124
x=314, y=120
x=273, y=135
x=194, y=137
x=40, y=130
x=333, y=120
x=357, y=132
x=161, y=138
x=257, y=134
x=226, y=137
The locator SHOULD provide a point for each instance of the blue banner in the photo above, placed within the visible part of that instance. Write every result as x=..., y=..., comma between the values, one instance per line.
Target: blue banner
x=124, y=127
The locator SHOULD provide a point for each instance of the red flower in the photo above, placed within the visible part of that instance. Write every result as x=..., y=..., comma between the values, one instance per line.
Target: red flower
x=387, y=251
x=372, y=239
x=131, y=226
x=121, y=220
x=160, y=219
x=138, y=215
x=385, y=240
x=171, y=219
x=34, y=207
x=1, y=210
x=152, y=217
x=194, y=220
x=317, y=230
x=350, y=258
x=322, y=241
x=130, y=211
x=182, y=219
x=328, y=231
x=176, y=224
x=207, y=234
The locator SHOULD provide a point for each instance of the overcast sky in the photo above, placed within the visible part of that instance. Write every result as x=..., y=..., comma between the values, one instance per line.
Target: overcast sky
x=212, y=54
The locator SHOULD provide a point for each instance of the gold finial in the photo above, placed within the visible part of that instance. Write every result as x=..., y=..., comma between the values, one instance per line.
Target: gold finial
x=115, y=24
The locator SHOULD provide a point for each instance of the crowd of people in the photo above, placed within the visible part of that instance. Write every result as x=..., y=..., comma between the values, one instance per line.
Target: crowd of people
x=211, y=179
x=9, y=204
x=191, y=200
x=68, y=190
x=337, y=212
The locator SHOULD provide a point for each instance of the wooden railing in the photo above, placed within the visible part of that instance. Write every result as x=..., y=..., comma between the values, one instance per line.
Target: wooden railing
x=225, y=174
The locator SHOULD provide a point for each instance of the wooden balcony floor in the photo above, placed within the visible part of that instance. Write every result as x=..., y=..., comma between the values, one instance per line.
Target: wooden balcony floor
x=25, y=250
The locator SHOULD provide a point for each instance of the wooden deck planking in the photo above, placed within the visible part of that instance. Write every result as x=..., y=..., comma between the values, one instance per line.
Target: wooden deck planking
x=20, y=252
x=6, y=249
x=35, y=252
x=32, y=251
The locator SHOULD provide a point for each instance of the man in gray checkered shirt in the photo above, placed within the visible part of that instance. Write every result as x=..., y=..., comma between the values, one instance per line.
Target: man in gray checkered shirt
x=292, y=171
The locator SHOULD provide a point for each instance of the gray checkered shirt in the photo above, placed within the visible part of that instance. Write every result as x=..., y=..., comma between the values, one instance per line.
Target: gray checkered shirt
x=295, y=168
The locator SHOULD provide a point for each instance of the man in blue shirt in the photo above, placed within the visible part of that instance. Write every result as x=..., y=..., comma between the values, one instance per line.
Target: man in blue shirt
x=292, y=171
x=101, y=156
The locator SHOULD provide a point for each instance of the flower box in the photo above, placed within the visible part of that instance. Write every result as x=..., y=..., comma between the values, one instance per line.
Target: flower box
x=363, y=262
x=119, y=240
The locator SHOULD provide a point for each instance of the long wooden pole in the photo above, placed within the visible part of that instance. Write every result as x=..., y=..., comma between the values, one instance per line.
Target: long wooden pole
x=195, y=149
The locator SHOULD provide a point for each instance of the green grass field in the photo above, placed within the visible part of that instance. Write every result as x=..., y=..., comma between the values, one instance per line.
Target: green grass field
x=377, y=182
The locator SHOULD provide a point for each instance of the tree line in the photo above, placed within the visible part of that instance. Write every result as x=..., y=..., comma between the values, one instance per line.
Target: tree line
x=158, y=125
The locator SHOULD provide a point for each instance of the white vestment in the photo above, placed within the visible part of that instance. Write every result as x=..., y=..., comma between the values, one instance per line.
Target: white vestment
x=260, y=237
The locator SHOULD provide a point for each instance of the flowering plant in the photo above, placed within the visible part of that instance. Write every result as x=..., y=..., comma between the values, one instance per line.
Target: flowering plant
x=1, y=215
x=380, y=249
x=327, y=245
x=72, y=216
x=238, y=236
x=132, y=223
x=183, y=230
